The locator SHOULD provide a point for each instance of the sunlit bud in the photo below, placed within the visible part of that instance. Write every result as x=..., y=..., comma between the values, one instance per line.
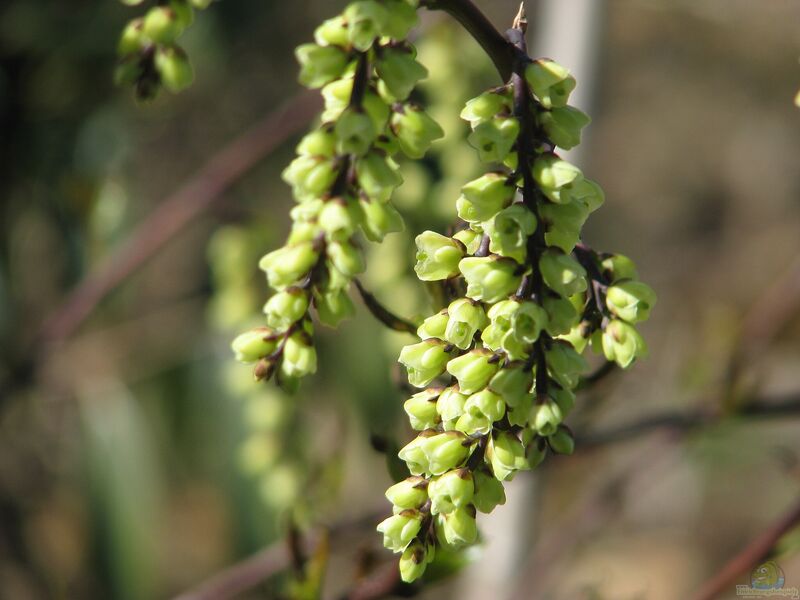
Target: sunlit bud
x=337, y=96
x=565, y=364
x=173, y=68
x=332, y=32
x=473, y=424
x=535, y=451
x=299, y=356
x=434, y=326
x=489, y=278
x=500, y=315
x=486, y=404
x=470, y=238
x=506, y=455
x=484, y=197
x=162, y=25
x=509, y=230
x=518, y=415
x=413, y=562
x=489, y=492
x=320, y=64
x=473, y=370
x=310, y=176
x=414, y=455
x=303, y=231
x=377, y=175
x=355, y=131
x=365, y=21
x=399, y=71
x=377, y=110
x=564, y=223
x=487, y=106
x=254, y=344
x=577, y=337
x=451, y=404
x=555, y=176
x=320, y=142
x=409, y=493
x=545, y=416
x=424, y=361
x=398, y=530
x=564, y=398
x=550, y=82
x=494, y=138
x=437, y=256
x=562, y=273
x=622, y=343
x=561, y=315
x=289, y=264
x=588, y=193
x=403, y=17
x=563, y=126
x=286, y=307
x=619, y=266
x=132, y=39
x=333, y=306
x=445, y=451
x=631, y=300
x=452, y=490
x=562, y=441
x=415, y=131
x=459, y=527
x=346, y=258
x=421, y=409
x=466, y=318
x=380, y=219
x=527, y=321
x=339, y=219
x=512, y=383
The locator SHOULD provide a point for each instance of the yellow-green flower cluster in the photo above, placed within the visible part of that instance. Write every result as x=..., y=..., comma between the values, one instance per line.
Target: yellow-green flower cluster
x=149, y=55
x=342, y=178
x=499, y=366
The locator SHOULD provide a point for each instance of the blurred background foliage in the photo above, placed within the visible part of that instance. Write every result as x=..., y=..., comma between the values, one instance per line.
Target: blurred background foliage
x=136, y=459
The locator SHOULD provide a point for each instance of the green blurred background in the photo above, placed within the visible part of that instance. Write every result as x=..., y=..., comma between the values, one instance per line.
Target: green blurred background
x=136, y=459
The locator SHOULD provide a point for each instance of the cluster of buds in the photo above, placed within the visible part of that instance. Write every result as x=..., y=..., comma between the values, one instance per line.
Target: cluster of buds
x=342, y=178
x=149, y=56
x=499, y=366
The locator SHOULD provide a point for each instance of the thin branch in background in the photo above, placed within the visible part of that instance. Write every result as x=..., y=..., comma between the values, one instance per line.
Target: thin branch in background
x=383, y=314
x=750, y=556
x=602, y=372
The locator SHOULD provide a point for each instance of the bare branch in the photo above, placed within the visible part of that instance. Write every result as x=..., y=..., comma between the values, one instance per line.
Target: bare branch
x=383, y=314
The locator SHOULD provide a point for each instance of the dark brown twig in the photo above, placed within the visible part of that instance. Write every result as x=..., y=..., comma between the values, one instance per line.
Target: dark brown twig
x=383, y=314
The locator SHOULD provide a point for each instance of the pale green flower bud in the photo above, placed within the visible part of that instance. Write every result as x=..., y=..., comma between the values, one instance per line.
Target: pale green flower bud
x=299, y=356
x=550, y=82
x=162, y=25
x=399, y=72
x=133, y=39
x=337, y=96
x=513, y=383
x=466, y=318
x=509, y=230
x=424, y=361
x=414, y=455
x=332, y=32
x=470, y=238
x=565, y=364
x=562, y=441
x=286, y=307
x=252, y=345
x=563, y=126
x=561, y=315
x=421, y=409
x=415, y=131
x=618, y=266
x=289, y=264
x=473, y=370
x=487, y=106
x=562, y=273
x=473, y=424
x=452, y=490
x=489, y=492
x=380, y=219
x=378, y=111
x=527, y=321
x=339, y=219
x=409, y=493
x=451, y=404
x=518, y=415
x=489, y=278
x=183, y=9
x=588, y=193
x=365, y=21
x=320, y=65
x=320, y=142
x=377, y=175
x=565, y=222
x=545, y=417
x=128, y=71
x=304, y=231
x=310, y=176
x=622, y=343
x=355, y=131
x=494, y=138
x=486, y=405
x=459, y=527
x=556, y=177
x=565, y=398
x=333, y=306
x=413, y=562
x=346, y=258
x=434, y=326
x=437, y=256
x=484, y=197
x=577, y=337
x=398, y=530
x=536, y=451
x=506, y=455
x=173, y=68
x=445, y=451
x=403, y=17
x=498, y=335
x=631, y=300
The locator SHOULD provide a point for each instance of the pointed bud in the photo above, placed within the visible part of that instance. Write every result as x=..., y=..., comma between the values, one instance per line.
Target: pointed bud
x=622, y=343
x=493, y=139
x=452, y=490
x=445, y=451
x=333, y=306
x=473, y=424
x=509, y=231
x=286, y=307
x=398, y=530
x=413, y=562
x=380, y=219
x=437, y=256
x=414, y=455
x=408, y=493
x=506, y=456
x=319, y=65
x=132, y=39
x=310, y=176
x=415, y=131
x=377, y=175
x=173, y=68
x=489, y=278
x=563, y=126
x=484, y=197
x=562, y=273
x=550, y=82
x=399, y=72
x=332, y=32
x=556, y=177
x=450, y=405
x=489, y=492
x=459, y=527
x=434, y=326
x=421, y=409
x=254, y=344
x=339, y=219
x=473, y=370
x=299, y=356
x=289, y=264
x=466, y=317
x=630, y=300
x=487, y=106
x=346, y=257
x=320, y=142
x=424, y=361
